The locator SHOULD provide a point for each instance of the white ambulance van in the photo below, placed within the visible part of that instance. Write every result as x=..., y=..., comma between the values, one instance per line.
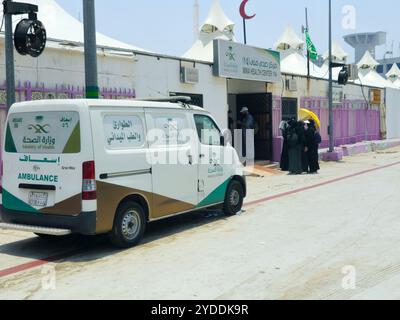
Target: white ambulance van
x=108, y=166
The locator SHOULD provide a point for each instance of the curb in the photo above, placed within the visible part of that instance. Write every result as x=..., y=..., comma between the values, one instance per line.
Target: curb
x=358, y=148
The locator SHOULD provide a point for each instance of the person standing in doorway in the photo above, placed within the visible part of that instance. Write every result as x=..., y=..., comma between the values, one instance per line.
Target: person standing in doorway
x=245, y=123
x=231, y=121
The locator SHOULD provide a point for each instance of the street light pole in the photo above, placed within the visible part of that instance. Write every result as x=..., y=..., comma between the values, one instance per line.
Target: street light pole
x=89, y=21
x=9, y=51
x=331, y=130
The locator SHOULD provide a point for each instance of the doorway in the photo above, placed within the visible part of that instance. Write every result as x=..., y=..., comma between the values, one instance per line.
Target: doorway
x=260, y=107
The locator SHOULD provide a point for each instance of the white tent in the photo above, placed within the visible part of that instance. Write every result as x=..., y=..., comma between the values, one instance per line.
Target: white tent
x=217, y=20
x=60, y=25
x=394, y=76
x=293, y=60
x=367, y=61
x=394, y=73
x=338, y=53
x=289, y=40
x=216, y=26
x=367, y=75
x=396, y=84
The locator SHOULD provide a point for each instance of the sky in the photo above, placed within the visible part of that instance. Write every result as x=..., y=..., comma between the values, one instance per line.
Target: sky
x=166, y=26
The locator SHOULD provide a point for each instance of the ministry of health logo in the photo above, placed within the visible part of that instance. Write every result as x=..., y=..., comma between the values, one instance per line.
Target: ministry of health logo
x=39, y=128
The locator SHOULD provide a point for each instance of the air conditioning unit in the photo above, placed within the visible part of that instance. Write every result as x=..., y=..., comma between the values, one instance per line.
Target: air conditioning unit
x=352, y=69
x=190, y=75
x=291, y=84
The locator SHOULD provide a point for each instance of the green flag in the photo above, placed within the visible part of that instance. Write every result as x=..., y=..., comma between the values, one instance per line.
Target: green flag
x=310, y=47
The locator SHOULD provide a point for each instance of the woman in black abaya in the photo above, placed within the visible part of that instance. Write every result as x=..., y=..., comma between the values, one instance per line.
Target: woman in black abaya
x=296, y=147
x=312, y=144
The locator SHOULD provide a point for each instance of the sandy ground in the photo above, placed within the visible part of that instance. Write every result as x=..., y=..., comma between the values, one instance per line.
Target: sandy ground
x=336, y=241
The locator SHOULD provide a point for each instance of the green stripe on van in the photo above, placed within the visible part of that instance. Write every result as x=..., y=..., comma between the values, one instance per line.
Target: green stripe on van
x=13, y=203
x=10, y=145
x=74, y=142
x=217, y=196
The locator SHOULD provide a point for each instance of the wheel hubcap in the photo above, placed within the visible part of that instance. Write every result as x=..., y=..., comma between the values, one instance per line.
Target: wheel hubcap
x=234, y=198
x=130, y=225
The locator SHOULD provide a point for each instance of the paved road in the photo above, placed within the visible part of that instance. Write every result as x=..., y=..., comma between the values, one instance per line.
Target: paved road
x=309, y=237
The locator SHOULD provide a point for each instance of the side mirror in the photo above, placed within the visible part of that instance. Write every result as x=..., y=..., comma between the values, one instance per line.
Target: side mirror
x=222, y=141
x=226, y=137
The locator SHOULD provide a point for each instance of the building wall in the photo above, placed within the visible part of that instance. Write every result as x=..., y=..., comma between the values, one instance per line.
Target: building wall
x=60, y=74
x=393, y=113
x=157, y=78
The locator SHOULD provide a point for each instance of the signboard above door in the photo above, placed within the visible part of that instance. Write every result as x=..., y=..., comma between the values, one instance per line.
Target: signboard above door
x=237, y=61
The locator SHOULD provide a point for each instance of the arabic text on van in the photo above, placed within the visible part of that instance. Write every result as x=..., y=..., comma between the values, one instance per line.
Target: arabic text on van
x=38, y=142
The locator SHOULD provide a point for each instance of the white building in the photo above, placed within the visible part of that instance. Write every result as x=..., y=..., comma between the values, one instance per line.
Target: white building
x=126, y=71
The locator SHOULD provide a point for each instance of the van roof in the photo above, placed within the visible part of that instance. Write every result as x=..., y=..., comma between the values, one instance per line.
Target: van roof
x=107, y=103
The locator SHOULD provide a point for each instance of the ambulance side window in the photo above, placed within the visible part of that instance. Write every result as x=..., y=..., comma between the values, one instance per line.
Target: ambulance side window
x=171, y=130
x=207, y=130
x=123, y=132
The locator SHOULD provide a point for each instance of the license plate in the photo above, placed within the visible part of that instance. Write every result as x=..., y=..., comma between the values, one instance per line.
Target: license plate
x=38, y=199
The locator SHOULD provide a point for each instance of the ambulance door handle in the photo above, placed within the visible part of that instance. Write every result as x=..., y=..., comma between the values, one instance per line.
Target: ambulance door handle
x=190, y=159
x=37, y=187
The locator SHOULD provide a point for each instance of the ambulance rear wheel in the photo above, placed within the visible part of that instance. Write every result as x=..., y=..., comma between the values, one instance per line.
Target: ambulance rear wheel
x=129, y=225
x=234, y=198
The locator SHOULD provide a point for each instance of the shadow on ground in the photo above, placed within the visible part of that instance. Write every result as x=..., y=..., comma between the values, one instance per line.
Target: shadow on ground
x=77, y=248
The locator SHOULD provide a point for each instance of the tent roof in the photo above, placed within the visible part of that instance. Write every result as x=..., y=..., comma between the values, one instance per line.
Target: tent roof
x=394, y=72
x=289, y=39
x=369, y=77
x=338, y=52
x=217, y=19
x=296, y=63
x=216, y=26
x=396, y=84
x=60, y=25
x=367, y=61
x=203, y=48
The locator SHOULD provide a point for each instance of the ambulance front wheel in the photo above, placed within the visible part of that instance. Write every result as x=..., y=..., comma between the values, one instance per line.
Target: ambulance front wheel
x=234, y=198
x=129, y=225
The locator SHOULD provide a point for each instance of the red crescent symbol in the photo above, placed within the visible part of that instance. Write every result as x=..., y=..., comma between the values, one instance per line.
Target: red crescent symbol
x=243, y=11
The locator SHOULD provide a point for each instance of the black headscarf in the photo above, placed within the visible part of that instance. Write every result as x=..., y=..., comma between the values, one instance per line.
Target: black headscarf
x=312, y=124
